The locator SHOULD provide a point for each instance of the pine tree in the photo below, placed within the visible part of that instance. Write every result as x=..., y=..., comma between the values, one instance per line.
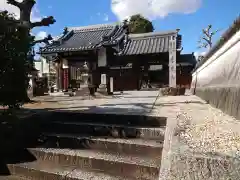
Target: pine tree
x=139, y=24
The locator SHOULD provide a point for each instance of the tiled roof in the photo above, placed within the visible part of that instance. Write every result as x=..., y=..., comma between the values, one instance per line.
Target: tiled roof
x=80, y=38
x=187, y=59
x=92, y=37
x=148, y=43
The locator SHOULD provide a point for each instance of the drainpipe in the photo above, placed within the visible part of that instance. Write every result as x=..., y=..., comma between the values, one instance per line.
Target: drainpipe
x=195, y=86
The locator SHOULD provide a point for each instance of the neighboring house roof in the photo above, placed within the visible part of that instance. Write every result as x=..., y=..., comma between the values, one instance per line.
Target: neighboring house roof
x=187, y=60
x=232, y=30
x=81, y=38
x=148, y=43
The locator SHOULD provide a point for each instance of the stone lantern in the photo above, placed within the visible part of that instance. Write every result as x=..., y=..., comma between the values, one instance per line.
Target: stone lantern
x=85, y=74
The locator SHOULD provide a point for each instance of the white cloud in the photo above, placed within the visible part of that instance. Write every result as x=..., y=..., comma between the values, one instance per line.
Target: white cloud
x=153, y=9
x=41, y=35
x=10, y=8
x=35, y=15
x=106, y=17
x=197, y=54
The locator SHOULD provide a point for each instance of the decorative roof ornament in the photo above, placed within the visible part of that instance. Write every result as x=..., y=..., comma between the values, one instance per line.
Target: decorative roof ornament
x=65, y=31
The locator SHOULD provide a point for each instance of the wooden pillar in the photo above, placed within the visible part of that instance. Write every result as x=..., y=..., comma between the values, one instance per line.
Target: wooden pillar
x=172, y=62
x=65, y=74
x=58, y=75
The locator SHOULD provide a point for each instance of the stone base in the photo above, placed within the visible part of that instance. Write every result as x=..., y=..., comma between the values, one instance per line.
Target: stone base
x=224, y=98
x=172, y=91
x=102, y=89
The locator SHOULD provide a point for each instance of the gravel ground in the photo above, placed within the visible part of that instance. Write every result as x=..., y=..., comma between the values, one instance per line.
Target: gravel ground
x=204, y=142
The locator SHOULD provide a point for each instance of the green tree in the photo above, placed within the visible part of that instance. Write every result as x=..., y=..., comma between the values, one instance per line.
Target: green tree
x=13, y=62
x=16, y=59
x=139, y=24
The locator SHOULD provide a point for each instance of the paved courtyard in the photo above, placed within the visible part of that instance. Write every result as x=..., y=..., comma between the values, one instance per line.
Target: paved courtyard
x=133, y=102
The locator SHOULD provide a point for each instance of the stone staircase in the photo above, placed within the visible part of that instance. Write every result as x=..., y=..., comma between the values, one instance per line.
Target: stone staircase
x=95, y=146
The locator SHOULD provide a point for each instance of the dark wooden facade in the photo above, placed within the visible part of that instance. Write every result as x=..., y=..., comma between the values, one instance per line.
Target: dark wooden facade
x=125, y=77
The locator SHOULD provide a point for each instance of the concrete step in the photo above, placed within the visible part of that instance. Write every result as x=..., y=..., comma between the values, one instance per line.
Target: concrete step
x=118, y=119
x=11, y=177
x=117, y=165
x=110, y=130
x=141, y=147
x=39, y=170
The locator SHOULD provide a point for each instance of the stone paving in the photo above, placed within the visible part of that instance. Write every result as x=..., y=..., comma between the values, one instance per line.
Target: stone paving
x=133, y=102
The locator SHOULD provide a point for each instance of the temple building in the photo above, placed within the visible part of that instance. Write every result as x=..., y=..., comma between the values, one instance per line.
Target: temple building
x=109, y=58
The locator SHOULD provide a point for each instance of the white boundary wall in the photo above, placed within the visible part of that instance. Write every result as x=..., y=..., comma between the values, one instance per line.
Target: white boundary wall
x=218, y=79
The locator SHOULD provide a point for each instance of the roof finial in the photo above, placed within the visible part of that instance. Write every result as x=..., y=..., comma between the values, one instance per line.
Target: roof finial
x=65, y=31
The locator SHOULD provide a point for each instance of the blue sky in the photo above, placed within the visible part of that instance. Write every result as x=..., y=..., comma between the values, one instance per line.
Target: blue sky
x=190, y=16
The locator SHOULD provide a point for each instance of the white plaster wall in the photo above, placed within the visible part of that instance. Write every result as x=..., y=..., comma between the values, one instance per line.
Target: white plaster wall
x=45, y=66
x=38, y=66
x=64, y=63
x=223, y=68
x=42, y=66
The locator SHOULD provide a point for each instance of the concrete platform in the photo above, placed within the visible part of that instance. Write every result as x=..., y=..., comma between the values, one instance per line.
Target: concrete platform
x=130, y=102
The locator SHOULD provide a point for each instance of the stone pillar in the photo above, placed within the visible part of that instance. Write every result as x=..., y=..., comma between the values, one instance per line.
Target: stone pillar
x=111, y=85
x=172, y=62
x=65, y=74
x=102, y=64
x=103, y=80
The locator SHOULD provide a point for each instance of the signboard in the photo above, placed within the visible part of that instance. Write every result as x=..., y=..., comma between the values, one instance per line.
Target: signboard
x=102, y=58
x=111, y=84
x=172, y=63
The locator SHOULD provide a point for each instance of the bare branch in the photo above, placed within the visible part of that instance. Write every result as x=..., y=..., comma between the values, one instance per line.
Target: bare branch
x=207, y=40
x=207, y=37
x=215, y=32
x=203, y=45
x=45, y=40
x=14, y=3
x=44, y=22
x=208, y=28
x=206, y=33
